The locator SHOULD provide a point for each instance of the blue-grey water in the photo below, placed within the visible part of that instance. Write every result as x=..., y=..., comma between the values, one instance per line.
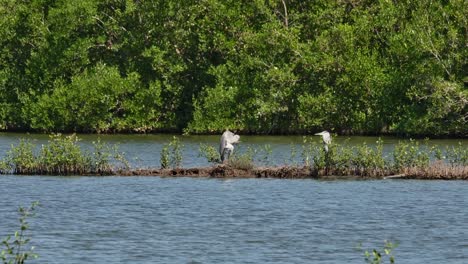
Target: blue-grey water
x=188, y=220
x=185, y=220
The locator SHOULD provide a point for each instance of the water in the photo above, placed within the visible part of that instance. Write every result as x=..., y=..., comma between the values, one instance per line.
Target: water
x=186, y=220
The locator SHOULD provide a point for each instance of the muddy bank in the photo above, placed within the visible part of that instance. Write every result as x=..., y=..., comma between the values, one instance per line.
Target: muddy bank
x=224, y=171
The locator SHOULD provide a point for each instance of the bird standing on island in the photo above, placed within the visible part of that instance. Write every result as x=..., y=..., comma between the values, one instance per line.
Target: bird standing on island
x=326, y=138
x=226, y=146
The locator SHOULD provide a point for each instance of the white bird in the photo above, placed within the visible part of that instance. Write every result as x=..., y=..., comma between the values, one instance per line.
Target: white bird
x=226, y=146
x=326, y=138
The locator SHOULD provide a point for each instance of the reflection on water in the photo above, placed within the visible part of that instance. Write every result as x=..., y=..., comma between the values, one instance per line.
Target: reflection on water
x=185, y=220
x=144, y=150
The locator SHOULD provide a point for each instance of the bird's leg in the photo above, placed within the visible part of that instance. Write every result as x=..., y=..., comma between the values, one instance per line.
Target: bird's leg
x=228, y=153
x=225, y=155
x=222, y=155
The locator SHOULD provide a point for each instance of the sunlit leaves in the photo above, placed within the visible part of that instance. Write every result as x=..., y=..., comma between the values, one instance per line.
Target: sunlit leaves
x=287, y=66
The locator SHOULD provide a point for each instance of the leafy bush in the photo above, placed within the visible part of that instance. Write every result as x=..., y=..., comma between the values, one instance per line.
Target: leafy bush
x=21, y=157
x=62, y=156
x=209, y=152
x=171, y=154
x=457, y=155
x=241, y=162
x=92, y=102
x=410, y=154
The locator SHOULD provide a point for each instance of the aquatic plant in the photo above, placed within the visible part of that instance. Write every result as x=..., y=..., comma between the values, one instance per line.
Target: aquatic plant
x=369, y=161
x=20, y=158
x=266, y=152
x=14, y=251
x=344, y=159
x=457, y=155
x=379, y=256
x=409, y=158
x=176, y=152
x=171, y=154
x=242, y=160
x=209, y=152
x=164, y=159
x=293, y=155
x=410, y=154
x=62, y=155
x=307, y=150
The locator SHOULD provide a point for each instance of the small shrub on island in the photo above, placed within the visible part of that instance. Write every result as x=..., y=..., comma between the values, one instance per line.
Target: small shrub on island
x=62, y=156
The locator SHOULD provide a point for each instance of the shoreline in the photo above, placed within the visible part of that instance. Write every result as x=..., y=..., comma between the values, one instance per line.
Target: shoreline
x=286, y=172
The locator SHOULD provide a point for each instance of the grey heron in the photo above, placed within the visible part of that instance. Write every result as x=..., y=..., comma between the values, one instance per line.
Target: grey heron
x=226, y=145
x=326, y=138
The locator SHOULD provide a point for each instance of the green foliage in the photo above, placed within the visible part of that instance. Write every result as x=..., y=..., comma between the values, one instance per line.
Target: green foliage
x=457, y=155
x=256, y=66
x=293, y=155
x=95, y=101
x=378, y=257
x=104, y=157
x=215, y=111
x=164, y=160
x=62, y=156
x=370, y=159
x=209, y=152
x=242, y=161
x=266, y=152
x=363, y=160
x=22, y=157
x=410, y=154
x=14, y=251
x=171, y=154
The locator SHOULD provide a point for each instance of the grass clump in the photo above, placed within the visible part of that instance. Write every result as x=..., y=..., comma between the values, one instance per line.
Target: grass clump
x=62, y=155
x=209, y=152
x=242, y=161
x=171, y=154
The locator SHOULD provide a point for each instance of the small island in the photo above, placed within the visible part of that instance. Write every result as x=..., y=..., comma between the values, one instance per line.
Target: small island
x=409, y=160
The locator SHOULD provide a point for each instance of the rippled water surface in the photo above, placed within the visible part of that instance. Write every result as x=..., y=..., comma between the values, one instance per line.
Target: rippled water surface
x=185, y=220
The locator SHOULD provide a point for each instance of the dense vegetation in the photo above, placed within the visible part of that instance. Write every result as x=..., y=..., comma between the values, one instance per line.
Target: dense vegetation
x=258, y=66
x=62, y=155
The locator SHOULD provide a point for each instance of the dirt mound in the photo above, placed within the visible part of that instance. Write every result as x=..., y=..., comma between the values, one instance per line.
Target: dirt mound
x=223, y=171
x=435, y=171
